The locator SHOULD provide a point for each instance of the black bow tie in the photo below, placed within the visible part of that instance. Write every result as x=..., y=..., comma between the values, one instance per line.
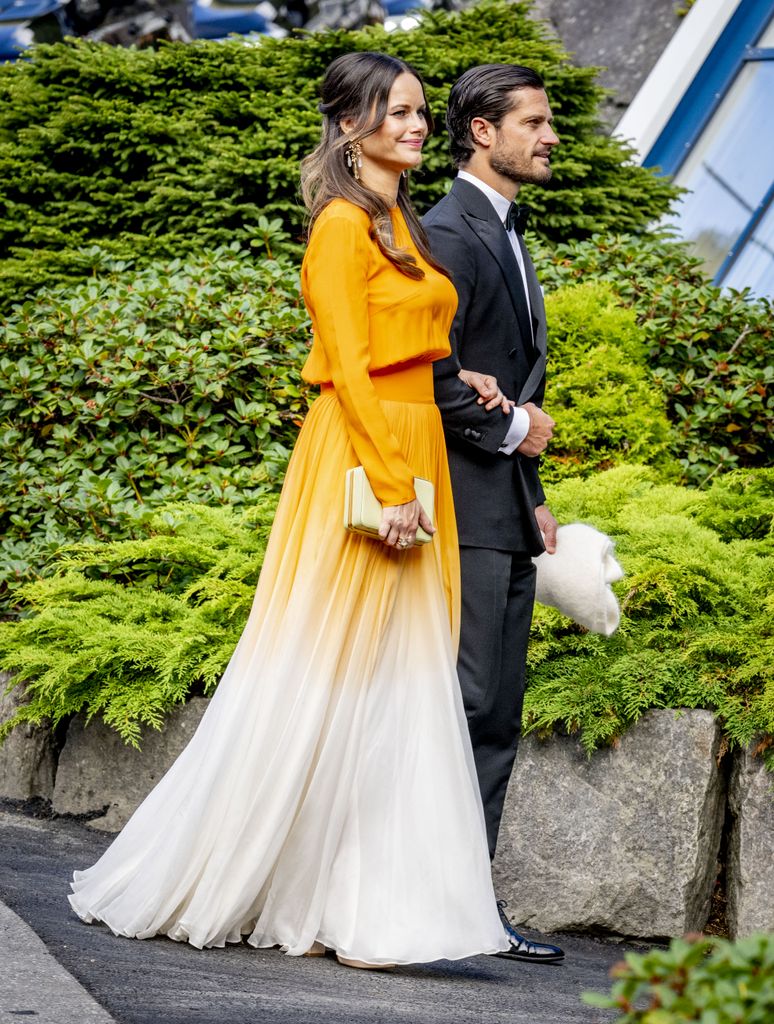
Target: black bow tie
x=517, y=218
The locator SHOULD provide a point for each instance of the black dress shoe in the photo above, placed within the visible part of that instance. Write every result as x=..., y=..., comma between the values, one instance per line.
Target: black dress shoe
x=523, y=949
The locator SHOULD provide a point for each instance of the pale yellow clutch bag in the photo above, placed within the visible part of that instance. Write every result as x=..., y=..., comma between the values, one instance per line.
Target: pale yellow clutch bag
x=363, y=512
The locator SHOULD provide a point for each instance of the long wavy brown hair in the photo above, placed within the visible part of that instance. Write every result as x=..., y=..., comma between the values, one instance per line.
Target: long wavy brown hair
x=357, y=87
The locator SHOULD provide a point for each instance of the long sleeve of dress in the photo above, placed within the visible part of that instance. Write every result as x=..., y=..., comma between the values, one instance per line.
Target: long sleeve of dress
x=336, y=290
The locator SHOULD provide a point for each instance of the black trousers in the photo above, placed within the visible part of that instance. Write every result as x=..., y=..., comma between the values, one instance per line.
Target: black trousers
x=498, y=595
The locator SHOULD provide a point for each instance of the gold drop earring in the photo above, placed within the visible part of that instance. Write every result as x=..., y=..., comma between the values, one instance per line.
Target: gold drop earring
x=355, y=158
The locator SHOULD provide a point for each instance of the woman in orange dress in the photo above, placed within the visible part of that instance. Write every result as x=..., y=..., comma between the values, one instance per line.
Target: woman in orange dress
x=329, y=796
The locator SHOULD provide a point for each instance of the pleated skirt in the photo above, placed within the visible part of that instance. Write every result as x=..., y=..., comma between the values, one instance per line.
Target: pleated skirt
x=329, y=793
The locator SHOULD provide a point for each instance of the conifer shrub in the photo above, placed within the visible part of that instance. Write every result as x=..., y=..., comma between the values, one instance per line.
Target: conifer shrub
x=707, y=980
x=161, y=152
x=178, y=380
x=697, y=626
x=711, y=351
x=127, y=629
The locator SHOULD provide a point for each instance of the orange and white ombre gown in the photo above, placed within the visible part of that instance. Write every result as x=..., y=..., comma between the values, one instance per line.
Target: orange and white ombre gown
x=329, y=793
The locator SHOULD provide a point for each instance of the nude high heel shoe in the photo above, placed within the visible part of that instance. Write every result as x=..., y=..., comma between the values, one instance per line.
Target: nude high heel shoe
x=316, y=949
x=362, y=965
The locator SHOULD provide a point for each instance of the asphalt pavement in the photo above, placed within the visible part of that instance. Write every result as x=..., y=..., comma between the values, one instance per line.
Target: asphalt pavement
x=56, y=970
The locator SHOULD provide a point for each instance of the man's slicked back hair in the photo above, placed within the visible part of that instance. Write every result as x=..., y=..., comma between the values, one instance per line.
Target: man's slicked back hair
x=484, y=91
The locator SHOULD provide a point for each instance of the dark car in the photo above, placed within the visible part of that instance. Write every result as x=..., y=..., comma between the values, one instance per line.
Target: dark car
x=140, y=22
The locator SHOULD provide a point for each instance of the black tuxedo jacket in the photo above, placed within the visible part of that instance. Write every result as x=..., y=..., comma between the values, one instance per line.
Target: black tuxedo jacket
x=495, y=495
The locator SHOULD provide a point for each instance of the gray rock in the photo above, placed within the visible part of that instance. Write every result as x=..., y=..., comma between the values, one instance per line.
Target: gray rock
x=27, y=757
x=750, y=869
x=99, y=773
x=624, y=39
x=625, y=842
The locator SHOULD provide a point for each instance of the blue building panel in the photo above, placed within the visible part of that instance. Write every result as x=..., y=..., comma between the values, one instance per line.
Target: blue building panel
x=715, y=77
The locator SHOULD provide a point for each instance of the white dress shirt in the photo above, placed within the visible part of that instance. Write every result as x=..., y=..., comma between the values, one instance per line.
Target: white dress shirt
x=519, y=427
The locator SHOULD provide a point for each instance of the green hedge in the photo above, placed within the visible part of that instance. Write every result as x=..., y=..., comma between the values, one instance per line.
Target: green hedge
x=160, y=152
x=167, y=368
x=128, y=629
x=711, y=351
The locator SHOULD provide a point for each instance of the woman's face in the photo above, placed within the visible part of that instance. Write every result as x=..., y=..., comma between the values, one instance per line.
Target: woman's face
x=396, y=145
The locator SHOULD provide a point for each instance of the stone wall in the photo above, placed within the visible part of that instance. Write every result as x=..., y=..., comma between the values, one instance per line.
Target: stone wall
x=750, y=865
x=100, y=776
x=28, y=756
x=625, y=842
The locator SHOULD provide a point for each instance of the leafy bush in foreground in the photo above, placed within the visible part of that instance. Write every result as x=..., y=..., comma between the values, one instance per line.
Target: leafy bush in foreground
x=160, y=152
x=710, y=350
x=710, y=981
x=130, y=628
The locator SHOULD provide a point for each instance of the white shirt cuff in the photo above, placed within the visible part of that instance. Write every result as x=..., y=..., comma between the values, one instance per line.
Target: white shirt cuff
x=517, y=431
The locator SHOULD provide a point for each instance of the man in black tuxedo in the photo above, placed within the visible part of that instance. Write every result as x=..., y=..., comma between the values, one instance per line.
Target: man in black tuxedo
x=499, y=124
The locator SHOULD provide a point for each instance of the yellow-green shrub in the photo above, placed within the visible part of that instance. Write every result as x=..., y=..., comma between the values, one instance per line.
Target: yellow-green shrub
x=607, y=407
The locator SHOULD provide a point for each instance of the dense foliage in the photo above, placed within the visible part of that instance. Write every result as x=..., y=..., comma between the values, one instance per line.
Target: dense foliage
x=129, y=628
x=712, y=351
x=160, y=152
x=711, y=981
x=177, y=381
x=181, y=379
x=151, y=389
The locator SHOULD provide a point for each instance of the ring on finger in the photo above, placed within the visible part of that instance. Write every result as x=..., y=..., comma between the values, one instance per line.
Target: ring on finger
x=403, y=542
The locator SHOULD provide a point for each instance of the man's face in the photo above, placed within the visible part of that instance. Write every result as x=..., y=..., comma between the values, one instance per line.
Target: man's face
x=524, y=140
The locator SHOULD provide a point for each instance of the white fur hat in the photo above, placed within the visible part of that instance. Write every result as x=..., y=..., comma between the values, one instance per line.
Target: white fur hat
x=576, y=578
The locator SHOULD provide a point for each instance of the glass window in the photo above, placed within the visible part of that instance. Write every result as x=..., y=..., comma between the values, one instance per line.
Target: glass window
x=754, y=267
x=767, y=38
x=729, y=170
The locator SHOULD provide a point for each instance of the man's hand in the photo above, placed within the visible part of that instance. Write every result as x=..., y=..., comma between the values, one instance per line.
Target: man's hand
x=548, y=527
x=541, y=430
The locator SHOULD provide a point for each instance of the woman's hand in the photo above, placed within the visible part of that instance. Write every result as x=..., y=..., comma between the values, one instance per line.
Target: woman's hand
x=489, y=394
x=399, y=524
